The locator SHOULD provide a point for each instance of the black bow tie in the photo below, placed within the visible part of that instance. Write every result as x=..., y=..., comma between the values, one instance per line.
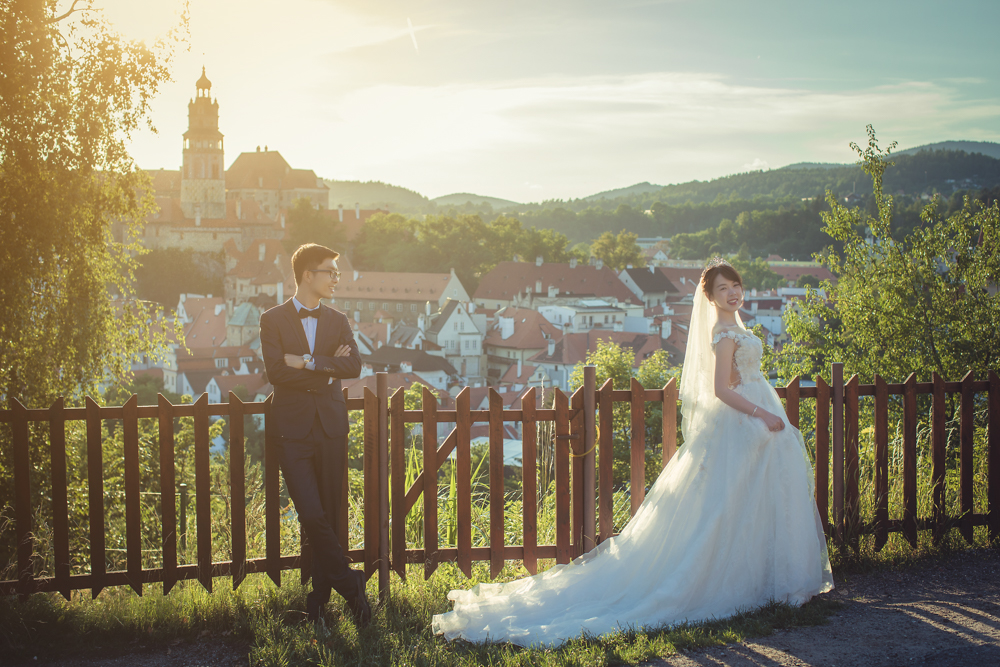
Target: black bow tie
x=303, y=314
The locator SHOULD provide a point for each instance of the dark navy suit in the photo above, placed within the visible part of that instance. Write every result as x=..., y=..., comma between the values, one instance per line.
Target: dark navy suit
x=309, y=415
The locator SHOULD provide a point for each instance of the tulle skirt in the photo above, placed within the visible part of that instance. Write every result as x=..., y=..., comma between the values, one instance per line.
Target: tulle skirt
x=730, y=524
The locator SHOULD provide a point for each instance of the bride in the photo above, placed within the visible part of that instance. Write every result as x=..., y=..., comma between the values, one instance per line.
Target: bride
x=729, y=525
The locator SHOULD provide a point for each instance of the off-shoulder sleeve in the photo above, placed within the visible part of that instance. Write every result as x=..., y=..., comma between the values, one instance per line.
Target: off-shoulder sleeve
x=725, y=334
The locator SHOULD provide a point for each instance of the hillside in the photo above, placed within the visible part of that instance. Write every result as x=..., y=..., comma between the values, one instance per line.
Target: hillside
x=990, y=148
x=462, y=198
x=637, y=189
x=373, y=194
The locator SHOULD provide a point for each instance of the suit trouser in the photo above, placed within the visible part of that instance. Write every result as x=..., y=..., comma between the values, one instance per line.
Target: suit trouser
x=314, y=474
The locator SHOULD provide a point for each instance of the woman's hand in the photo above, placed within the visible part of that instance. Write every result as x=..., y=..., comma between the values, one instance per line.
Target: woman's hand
x=774, y=423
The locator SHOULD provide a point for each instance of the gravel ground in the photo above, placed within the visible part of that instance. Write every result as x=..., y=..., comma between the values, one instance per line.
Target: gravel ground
x=939, y=614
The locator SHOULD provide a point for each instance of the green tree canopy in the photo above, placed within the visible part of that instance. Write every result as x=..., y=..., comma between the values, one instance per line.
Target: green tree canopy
x=926, y=302
x=618, y=252
x=311, y=225
x=72, y=91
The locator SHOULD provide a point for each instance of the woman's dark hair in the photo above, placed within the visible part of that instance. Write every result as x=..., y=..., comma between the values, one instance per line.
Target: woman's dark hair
x=718, y=266
x=309, y=256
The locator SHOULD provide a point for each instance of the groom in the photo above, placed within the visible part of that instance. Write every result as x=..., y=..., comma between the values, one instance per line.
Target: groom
x=308, y=348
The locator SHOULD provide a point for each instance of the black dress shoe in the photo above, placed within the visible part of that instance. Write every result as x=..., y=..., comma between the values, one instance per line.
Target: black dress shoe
x=360, y=609
x=314, y=607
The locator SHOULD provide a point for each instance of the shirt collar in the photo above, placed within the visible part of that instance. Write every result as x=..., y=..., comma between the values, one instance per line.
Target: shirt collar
x=300, y=307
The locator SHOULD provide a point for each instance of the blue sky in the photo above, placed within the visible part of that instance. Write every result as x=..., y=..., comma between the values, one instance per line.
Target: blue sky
x=545, y=100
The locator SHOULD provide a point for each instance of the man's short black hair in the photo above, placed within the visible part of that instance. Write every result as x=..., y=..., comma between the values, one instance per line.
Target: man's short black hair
x=310, y=256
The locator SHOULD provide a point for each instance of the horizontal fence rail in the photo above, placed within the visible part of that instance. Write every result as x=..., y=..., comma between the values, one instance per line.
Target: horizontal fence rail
x=583, y=435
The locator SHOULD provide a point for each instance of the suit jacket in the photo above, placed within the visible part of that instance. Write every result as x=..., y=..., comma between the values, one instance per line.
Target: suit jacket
x=301, y=394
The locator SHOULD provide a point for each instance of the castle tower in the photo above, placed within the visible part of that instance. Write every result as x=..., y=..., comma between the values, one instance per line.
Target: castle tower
x=203, y=175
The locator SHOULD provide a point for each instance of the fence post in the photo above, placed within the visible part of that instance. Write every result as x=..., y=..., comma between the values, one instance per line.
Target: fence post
x=965, y=469
x=938, y=462
x=168, y=503
x=606, y=478
x=237, y=485
x=823, y=452
x=881, y=462
x=184, y=517
x=910, y=459
x=133, y=506
x=382, y=395
x=22, y=500
x=95, y=496
x=993, y=459
x=372, y=512
x=590, y=457
x=60, y=506
x=837, y=377
x=637, y=472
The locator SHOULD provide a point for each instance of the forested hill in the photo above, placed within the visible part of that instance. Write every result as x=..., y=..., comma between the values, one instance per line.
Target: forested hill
x=925, y=171
x=373, y=194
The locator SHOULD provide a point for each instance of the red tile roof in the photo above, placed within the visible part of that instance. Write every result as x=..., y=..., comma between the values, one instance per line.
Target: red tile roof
x=511, y=278
x=383, y=285
x=531, y=330
x=691, y=278
x=246, y=172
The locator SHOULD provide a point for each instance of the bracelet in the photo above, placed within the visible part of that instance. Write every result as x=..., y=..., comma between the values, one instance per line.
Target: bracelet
x=754, y=411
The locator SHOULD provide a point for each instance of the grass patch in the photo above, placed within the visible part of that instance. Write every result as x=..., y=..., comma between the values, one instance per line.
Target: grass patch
x=270, y=623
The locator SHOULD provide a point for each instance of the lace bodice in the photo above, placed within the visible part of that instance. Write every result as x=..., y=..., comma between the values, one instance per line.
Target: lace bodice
x=746, y=360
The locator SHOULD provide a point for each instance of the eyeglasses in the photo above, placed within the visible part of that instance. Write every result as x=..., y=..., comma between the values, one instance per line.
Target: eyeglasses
x=331, y=273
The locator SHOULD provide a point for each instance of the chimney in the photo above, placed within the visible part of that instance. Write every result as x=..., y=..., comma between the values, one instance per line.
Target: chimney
x=519, y=368
x=506, y=327
x=355, y=275
x=405, y=367
x=552, y=347
x=366, y=370
x=538, y=287
x=421, y=322
x=357, y=210
x=553, y=291
x=260, y=252
x=388, y=330
x=652, y=269
x=427, y=309
x=628, y=266
x=666, y=327
x=340, y=212
x=599, y=264
x=517, y=258
x=572, y=262
x=538, y=261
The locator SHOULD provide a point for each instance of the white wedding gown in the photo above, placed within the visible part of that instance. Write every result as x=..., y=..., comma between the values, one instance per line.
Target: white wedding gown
x=729, y=524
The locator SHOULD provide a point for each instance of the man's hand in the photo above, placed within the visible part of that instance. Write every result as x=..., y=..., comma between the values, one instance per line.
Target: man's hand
x=295, y=361
x=343, y=351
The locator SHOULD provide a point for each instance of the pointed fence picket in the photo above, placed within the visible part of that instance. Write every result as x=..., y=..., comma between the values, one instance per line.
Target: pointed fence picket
x=583, y=436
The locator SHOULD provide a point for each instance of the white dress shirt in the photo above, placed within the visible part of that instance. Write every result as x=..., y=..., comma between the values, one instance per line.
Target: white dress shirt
x=309, y=326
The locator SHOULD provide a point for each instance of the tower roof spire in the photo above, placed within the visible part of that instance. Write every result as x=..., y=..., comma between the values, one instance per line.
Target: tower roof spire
x=203, y=83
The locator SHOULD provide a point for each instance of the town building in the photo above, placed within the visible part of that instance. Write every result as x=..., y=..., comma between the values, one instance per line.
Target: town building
x=651, y=286
x=517, y=335
x=455, y=330
x=523, y=283
x=368, y=295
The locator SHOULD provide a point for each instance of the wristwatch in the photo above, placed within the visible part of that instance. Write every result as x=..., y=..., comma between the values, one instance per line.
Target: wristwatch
x=307, y=358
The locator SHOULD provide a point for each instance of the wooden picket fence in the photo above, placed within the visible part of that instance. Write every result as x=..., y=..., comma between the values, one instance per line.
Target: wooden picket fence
x=583, y=498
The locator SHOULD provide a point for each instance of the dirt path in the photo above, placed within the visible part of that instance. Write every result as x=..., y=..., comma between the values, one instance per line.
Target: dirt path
x=941, y=614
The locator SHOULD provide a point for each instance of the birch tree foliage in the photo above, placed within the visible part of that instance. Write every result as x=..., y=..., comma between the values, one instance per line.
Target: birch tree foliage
x=72, y=92
x=927, y=302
